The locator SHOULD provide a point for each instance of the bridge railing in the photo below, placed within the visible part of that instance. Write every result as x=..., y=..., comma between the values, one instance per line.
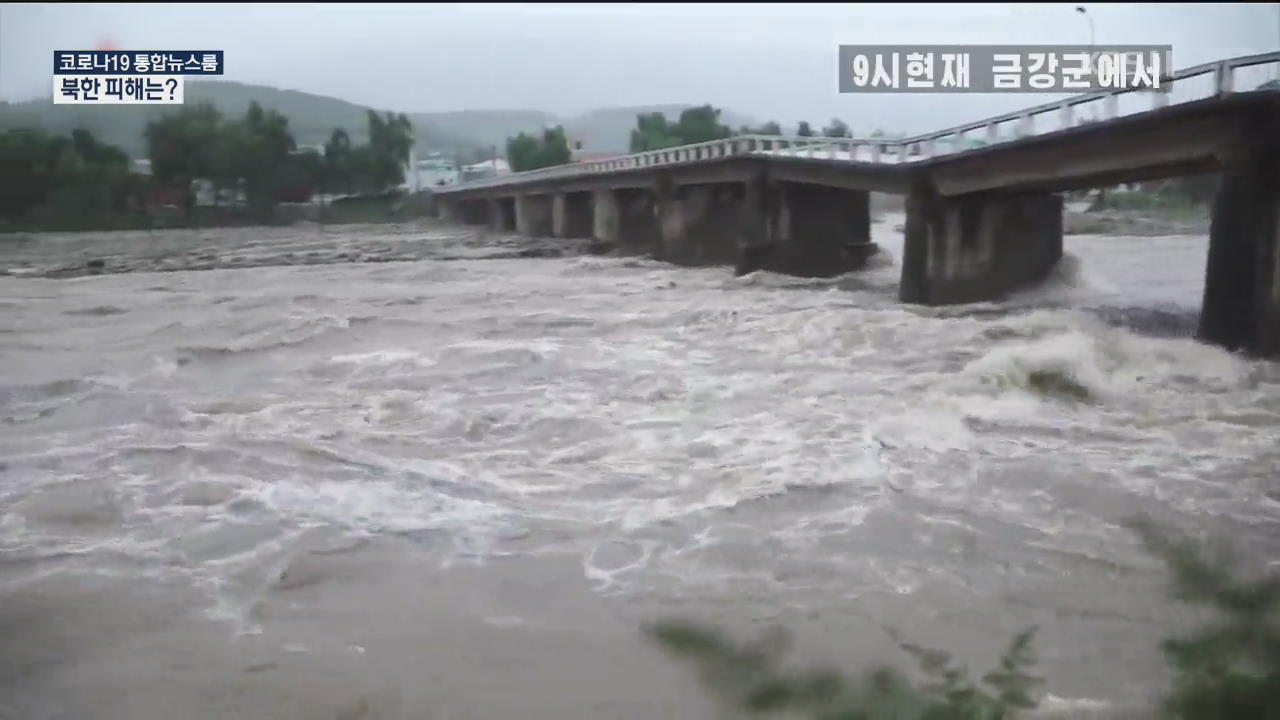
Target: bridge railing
x=1195, y=83
x=1186, y=85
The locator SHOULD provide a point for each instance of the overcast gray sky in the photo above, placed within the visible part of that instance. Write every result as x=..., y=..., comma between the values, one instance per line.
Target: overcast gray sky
x=774, y=61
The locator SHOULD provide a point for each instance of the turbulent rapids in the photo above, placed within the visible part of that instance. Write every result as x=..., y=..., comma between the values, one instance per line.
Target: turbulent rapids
x=305, y=482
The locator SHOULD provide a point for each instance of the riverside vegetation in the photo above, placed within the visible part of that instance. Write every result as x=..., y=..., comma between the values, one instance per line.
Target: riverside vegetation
x=1228, y=669
x=59, y=182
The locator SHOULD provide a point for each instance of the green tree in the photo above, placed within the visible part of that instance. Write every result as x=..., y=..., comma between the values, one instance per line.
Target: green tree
x=337, y=163
x=67, y=178
x=555, y=147
x=527, y=152
x=750, y=678
x=804, y=130
x=522, y=152
x=390, y=141
x=769, y=128
x=837, y=129
x=184, y=146
x=1229, y=668
x=696, y=124
x=653, y=132
x=360, y=169
x=303, y=174
x=26, y=170
x=260, y=146
x=700, y=124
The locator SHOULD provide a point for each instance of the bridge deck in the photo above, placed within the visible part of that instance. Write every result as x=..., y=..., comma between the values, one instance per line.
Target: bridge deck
x=1165, y=138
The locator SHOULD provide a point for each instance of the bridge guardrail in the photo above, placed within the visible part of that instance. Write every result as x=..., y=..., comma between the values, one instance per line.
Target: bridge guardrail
x=1222, y=74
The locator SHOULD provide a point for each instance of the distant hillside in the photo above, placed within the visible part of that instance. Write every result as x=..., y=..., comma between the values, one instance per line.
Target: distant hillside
x=311, y=117
x=483, y=128
x=314, y=117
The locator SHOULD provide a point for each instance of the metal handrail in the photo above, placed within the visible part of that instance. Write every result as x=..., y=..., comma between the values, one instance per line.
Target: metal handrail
x=881, y=150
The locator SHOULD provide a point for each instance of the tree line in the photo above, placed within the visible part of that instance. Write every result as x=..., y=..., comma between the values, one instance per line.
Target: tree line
x=653, y=131
x=256, y=156
x=53, y=173
x=46, y=177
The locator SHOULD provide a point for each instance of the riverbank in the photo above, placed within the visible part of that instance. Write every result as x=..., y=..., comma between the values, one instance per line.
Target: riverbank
x=68, y=255
x=392, y=207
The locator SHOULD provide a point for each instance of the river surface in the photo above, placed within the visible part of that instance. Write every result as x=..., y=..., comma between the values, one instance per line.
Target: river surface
x=455, y=486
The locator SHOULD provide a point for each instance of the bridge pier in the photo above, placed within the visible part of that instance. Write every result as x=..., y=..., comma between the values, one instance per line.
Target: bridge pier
x=804, y=229
x=534, y=215
x=703, y=224
x=638, y=222
x=1241, y=308
x=447, y=211
x=605, y=224
x=500, y=213
x=472, y=212
x=977, y=247
x=571, y=215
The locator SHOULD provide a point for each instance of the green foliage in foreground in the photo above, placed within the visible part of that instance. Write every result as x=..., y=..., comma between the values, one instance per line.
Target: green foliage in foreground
x=1228, y=670
x=750, y=677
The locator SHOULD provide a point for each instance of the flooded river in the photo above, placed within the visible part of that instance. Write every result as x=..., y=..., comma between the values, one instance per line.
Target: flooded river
x=409, y=472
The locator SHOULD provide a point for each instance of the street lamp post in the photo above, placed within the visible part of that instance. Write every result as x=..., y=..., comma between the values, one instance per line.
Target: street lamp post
x=1100, y=200
x=1093, y=55
x=1080, y=9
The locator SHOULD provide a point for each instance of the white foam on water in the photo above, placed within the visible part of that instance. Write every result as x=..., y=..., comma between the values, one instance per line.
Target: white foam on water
x=1106, y=363
x=673, y=428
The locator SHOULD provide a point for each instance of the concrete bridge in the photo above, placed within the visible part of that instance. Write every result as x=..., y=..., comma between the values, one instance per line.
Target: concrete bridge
x=981, y=221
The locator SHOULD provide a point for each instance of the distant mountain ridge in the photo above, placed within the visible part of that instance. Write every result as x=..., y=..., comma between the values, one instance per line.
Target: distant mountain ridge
x=312, y=118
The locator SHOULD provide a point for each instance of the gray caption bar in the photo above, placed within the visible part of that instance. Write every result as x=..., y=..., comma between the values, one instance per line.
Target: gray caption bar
x=1054, y=69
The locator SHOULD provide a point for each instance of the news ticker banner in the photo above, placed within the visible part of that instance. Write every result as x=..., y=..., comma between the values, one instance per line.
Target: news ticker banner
x=128, y=77
x=1002, y=68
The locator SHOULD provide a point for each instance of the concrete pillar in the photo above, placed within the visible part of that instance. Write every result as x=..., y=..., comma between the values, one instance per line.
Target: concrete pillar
x=494, y=214
x=502, y=214
x=676, y=244
x=638, y=229
x=761, y=201
x=571, y=215
x=604, y=217
x=808, y=230
x=978, y=247
x=1241, y=308
x=921, y=207
x=703, y=224
x=473, y=212
x=533, y=215
x=447, y=210
x=558, y=210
